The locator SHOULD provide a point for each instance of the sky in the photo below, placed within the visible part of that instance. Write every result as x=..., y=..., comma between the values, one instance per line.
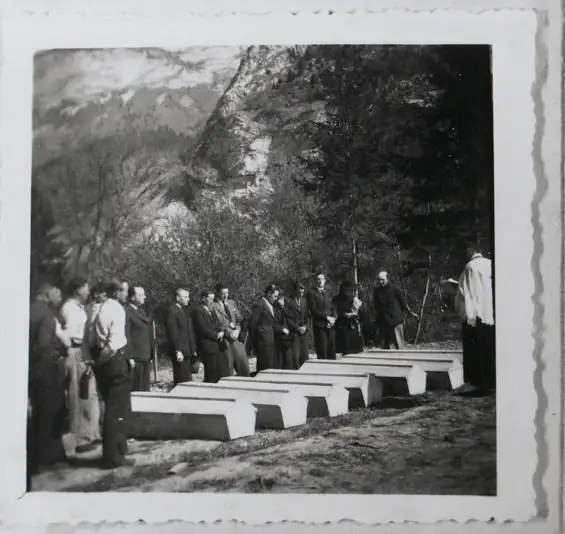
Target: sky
x=82, y=76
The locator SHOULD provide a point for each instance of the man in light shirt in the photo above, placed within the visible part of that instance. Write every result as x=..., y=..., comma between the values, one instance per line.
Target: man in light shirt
x=82, y=395
x=474, y=302
x=114, y=375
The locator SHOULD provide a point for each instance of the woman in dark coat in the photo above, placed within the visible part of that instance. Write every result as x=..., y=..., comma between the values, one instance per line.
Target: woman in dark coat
x=348, y=338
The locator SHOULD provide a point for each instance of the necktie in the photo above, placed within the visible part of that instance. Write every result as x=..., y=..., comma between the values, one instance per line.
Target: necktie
x=227, y=310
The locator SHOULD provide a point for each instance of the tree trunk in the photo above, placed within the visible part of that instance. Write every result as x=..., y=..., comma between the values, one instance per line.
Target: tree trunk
x=355, y=274
x=426, y=293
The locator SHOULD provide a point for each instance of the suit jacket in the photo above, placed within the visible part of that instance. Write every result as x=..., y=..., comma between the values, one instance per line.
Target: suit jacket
x=390, y=305
x=297, y=314
x=180, y=332
x=206, y=328
x=262, y=325
x=320, y=307
x=139, y=333
x=222, y=317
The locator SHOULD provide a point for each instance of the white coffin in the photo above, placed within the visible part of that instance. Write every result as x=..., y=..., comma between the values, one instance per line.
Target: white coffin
x=275, y=409
x=166, y=416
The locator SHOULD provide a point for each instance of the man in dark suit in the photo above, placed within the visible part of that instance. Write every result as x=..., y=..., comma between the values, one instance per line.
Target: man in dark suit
x=323, y=320
x=283, y=336
x=210, y=341
x=230, y=319
x=390, y=307
x=139, y=333
x=46, y=380
x=297, y=320
x=180, y=336
x=262, y=329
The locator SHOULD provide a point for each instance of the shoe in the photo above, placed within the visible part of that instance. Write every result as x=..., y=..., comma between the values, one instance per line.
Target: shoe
x=112, y=464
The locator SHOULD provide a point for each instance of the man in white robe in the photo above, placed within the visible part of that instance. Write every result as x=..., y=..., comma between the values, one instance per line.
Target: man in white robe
x=474, y=302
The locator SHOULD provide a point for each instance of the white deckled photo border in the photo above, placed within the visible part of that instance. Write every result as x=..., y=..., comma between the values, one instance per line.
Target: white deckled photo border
x=512, y=35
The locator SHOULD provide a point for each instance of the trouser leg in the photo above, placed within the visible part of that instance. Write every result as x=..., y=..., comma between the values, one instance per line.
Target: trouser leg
x=118, y=407
x=266, y=357
x=287, y=358
x=319, y=343
x=296, y=347
x=303, y=350
x=486, y=355
x=141, y=376
x=241, y=363
x=330, y=347
x=470, y=354
x=182, y=372
x=48, y=405
x=398, y=336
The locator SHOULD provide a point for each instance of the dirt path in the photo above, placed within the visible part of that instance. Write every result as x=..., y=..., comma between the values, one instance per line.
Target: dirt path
x=436, y=444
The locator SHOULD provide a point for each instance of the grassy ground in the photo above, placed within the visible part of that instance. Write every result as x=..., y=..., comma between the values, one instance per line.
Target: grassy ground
x=438, y=443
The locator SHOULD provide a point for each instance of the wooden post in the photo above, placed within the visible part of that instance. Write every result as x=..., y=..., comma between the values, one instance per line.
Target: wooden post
x=424, y=300
x=154, y=353
x=355, y=277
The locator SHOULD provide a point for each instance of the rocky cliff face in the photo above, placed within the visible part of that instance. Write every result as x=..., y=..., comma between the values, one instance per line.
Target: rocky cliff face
x=255, y=124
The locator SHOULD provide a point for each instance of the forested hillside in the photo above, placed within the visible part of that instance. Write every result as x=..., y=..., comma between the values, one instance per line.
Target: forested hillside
x=309, y=154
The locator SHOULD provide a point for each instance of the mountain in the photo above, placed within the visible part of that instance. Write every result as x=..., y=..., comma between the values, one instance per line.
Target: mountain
x=81, y=95
x=126, y=140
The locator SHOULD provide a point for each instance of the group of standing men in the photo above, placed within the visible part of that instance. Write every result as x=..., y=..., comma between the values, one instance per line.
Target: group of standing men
x=279, y=324
x=88, y=355
x=82, y=369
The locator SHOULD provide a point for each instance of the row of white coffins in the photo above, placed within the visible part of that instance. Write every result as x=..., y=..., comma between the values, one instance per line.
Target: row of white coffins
x=277, y=399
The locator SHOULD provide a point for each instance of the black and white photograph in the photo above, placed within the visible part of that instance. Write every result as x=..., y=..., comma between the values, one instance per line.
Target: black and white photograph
x=263, y=269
